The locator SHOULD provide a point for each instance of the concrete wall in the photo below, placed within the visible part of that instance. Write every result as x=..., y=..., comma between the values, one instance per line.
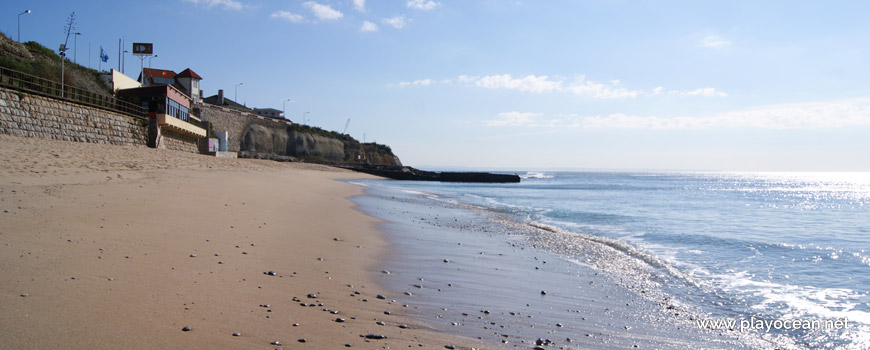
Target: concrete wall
x=225, y=119
x=23, y=114
x=118, y=81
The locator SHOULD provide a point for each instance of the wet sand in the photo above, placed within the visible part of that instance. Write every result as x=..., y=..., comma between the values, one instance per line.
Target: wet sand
x=480, y=275
x=128, y=247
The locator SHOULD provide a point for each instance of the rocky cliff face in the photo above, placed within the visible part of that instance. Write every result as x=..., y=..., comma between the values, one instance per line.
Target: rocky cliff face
x=279, y=139
x=287, y=142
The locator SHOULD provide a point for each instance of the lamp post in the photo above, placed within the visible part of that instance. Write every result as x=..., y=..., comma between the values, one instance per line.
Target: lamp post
x=285, y=107
x=151, y=58
x=124, y=62
x=236, y=95
x=19, y=24
x=303, y=118
x=76, y=47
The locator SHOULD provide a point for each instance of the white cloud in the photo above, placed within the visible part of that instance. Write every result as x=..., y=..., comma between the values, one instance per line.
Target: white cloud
x=714, y=41
x=369, y=27
x=586, y=88
x=543, y=84
x=425, y=5
x=226, y=4
x=514, y=119
x=809, y=115
x=288, y=16
x=580, y=87
x=529, y=83
x=397, y=22
x=360, y=5
x=709, y=92
x=323, y=12
x=422, y=82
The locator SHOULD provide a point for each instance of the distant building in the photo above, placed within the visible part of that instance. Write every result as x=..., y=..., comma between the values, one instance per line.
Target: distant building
x=220, y=100
x=190, y=81
x=269, y=113
x=187, y=81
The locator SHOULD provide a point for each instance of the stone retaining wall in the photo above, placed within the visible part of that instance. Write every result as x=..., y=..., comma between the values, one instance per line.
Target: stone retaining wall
x=23, y=114
x=173, y=141
x=236, y=123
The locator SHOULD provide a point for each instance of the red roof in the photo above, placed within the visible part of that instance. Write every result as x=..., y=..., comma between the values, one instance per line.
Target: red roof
x=188, y=73
x=150, y=73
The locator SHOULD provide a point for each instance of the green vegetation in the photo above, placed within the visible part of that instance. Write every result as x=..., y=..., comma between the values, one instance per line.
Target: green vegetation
x=35, y=59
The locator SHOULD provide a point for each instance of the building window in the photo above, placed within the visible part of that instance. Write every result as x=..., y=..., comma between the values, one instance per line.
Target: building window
x=176, y=110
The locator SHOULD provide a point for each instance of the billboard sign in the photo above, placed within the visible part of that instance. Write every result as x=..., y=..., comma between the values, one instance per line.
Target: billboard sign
x=143, y=48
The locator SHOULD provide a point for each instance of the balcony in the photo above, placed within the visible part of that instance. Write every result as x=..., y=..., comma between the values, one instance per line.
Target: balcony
x=182, y=127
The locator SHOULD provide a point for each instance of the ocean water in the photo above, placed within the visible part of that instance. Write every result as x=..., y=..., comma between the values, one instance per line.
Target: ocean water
x=770, y=252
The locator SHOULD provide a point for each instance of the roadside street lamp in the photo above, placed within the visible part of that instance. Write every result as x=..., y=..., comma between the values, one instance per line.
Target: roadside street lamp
x=19, y=24
x=285, y=107
x=151, y=58
x=236, y=95
x=124, y=62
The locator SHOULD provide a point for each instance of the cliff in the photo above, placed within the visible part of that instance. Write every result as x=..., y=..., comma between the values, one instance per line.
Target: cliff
x=279, y=139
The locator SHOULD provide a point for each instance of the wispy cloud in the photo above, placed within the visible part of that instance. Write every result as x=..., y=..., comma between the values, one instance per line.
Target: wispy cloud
x=397, y=22
x=810, y=115
x=226, y=4
x=368, y=27
x=514, y=119
x=288, y=16
x=529, y=83
x=598, y=90
x=714, y=41
x=360, y=5
x=543, y=84
x=422, y=82
x=709, y=92
x=323, y=12
x=535, y=84
x=425, y=5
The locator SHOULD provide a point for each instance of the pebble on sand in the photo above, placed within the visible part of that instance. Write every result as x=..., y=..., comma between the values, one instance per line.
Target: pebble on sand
x=185, y=329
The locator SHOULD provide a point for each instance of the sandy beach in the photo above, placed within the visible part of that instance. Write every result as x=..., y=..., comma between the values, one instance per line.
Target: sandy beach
x=129, y=247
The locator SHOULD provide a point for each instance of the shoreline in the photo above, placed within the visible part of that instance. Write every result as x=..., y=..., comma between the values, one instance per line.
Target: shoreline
x=120, y=246
x=479, y=274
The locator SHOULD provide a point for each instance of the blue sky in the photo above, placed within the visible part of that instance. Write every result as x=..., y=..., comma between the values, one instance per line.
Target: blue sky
x=547, y=84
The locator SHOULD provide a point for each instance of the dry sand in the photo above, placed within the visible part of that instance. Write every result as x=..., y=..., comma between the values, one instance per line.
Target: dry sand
x=105, y=247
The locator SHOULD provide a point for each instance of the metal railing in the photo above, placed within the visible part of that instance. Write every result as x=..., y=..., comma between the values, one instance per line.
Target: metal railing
x=25, y=82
